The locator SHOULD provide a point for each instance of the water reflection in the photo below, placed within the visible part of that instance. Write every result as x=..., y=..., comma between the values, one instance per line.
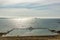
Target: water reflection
x=6, y=24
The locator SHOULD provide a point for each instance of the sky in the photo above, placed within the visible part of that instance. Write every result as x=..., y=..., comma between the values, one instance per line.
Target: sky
x=29, y=8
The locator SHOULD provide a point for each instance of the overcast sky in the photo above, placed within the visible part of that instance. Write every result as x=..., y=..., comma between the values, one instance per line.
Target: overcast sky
x=31, y=8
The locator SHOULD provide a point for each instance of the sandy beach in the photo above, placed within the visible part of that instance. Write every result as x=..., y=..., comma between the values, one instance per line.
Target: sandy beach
x=57, y=37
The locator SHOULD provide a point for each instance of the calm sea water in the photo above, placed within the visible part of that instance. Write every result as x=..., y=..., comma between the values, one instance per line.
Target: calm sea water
x=8, y=24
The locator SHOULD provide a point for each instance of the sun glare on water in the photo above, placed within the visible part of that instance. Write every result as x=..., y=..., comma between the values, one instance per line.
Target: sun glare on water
x=20, y=22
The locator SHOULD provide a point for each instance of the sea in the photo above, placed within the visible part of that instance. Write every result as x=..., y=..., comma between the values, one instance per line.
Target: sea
x=7, y=24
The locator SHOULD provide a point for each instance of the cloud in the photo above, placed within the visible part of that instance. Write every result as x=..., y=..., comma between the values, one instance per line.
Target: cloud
x=44, y=8
x=21, y=12
x=36, y=6
x=9, y=2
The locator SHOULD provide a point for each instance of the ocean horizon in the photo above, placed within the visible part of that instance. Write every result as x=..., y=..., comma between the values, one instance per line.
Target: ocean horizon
x=6, y=24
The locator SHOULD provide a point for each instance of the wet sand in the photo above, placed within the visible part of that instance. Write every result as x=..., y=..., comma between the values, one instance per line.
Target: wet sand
x=57, y=37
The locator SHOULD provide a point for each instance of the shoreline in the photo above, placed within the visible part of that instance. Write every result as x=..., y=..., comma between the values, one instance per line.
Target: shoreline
x=56, y=37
